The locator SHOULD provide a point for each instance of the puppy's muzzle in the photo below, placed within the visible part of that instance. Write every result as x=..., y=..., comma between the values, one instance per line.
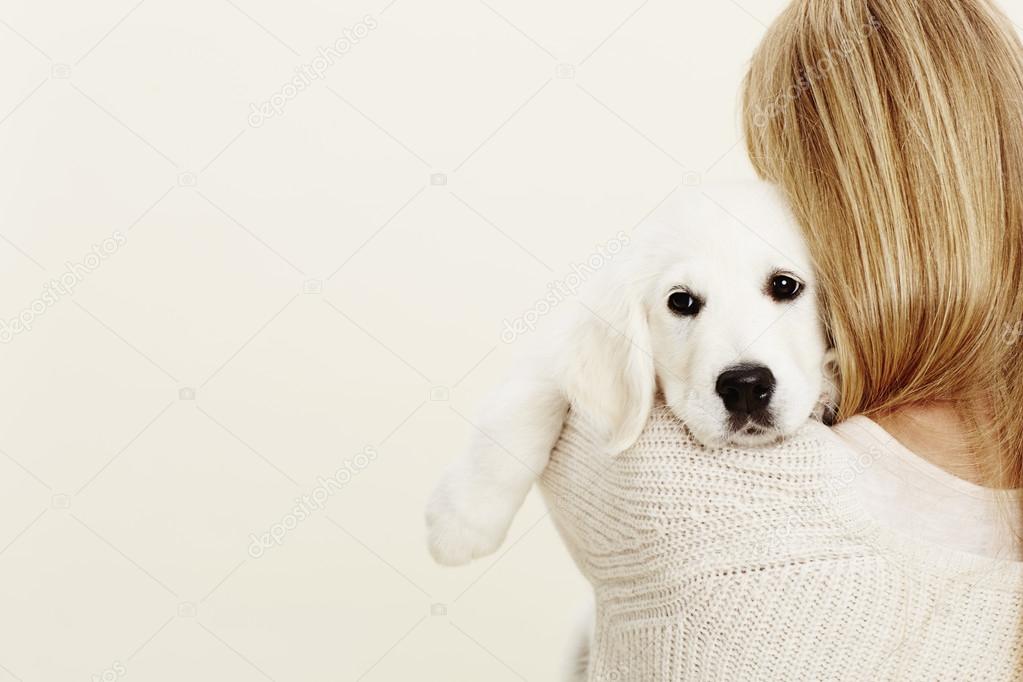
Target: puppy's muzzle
x=746, y=391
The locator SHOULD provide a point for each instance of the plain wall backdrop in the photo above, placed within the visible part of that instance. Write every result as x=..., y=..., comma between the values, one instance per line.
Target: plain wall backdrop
x=259, y=259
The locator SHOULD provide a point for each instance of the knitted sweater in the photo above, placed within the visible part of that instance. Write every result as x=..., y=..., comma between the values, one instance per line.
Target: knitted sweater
x=759, y=564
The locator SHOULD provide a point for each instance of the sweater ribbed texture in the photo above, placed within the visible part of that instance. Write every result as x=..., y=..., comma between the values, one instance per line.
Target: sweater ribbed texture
x=759, y=564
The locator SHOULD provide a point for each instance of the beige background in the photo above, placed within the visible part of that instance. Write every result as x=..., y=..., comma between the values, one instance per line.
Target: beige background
x=271, y=301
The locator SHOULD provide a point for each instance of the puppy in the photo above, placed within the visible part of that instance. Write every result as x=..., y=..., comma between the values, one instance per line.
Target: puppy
x=712, y=308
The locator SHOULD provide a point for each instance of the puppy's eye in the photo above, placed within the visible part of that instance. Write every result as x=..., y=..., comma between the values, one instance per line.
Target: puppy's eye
x=683, y=303
x=784, y=287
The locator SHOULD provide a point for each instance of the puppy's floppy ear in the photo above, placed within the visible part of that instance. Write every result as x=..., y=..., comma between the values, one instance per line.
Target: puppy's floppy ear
x=608, y=368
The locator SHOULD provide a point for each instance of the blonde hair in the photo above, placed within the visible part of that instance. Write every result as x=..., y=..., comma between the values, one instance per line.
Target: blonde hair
x=896, y=131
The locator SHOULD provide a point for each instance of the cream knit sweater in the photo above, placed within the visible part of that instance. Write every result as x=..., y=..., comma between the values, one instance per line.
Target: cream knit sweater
x=760, y=565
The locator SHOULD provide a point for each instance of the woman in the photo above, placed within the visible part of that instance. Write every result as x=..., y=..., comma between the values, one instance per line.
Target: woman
x=886, y=547
x=895, y=130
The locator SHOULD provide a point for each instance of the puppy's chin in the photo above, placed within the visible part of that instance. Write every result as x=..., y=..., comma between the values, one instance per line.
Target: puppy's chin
x=740, y=439
x=750, y=436
x=752, y=439
x=715, y=434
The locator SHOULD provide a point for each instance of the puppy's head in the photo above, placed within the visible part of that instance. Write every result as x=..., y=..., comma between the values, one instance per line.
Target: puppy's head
x=715, y=304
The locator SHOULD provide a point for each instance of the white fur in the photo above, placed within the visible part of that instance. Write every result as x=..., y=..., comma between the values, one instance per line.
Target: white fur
x=623, y=346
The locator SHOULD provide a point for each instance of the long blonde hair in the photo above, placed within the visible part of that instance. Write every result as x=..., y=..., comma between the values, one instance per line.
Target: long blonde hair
x=896, y=130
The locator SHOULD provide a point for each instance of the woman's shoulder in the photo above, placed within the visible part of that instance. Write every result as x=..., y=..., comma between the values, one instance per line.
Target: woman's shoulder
x=666, y=479
x=668, y=500
x=666, y=438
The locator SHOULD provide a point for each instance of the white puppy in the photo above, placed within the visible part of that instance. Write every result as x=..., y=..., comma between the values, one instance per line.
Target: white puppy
x=712, y=307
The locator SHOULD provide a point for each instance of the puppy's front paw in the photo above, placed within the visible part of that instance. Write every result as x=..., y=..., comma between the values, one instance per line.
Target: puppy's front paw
x=459, y=531
x=454, y=541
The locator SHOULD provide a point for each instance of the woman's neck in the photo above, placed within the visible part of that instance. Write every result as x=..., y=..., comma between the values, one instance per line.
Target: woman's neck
x=936, y=432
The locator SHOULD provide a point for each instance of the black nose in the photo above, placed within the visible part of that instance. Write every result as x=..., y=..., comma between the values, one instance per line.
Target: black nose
x=745, y=389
